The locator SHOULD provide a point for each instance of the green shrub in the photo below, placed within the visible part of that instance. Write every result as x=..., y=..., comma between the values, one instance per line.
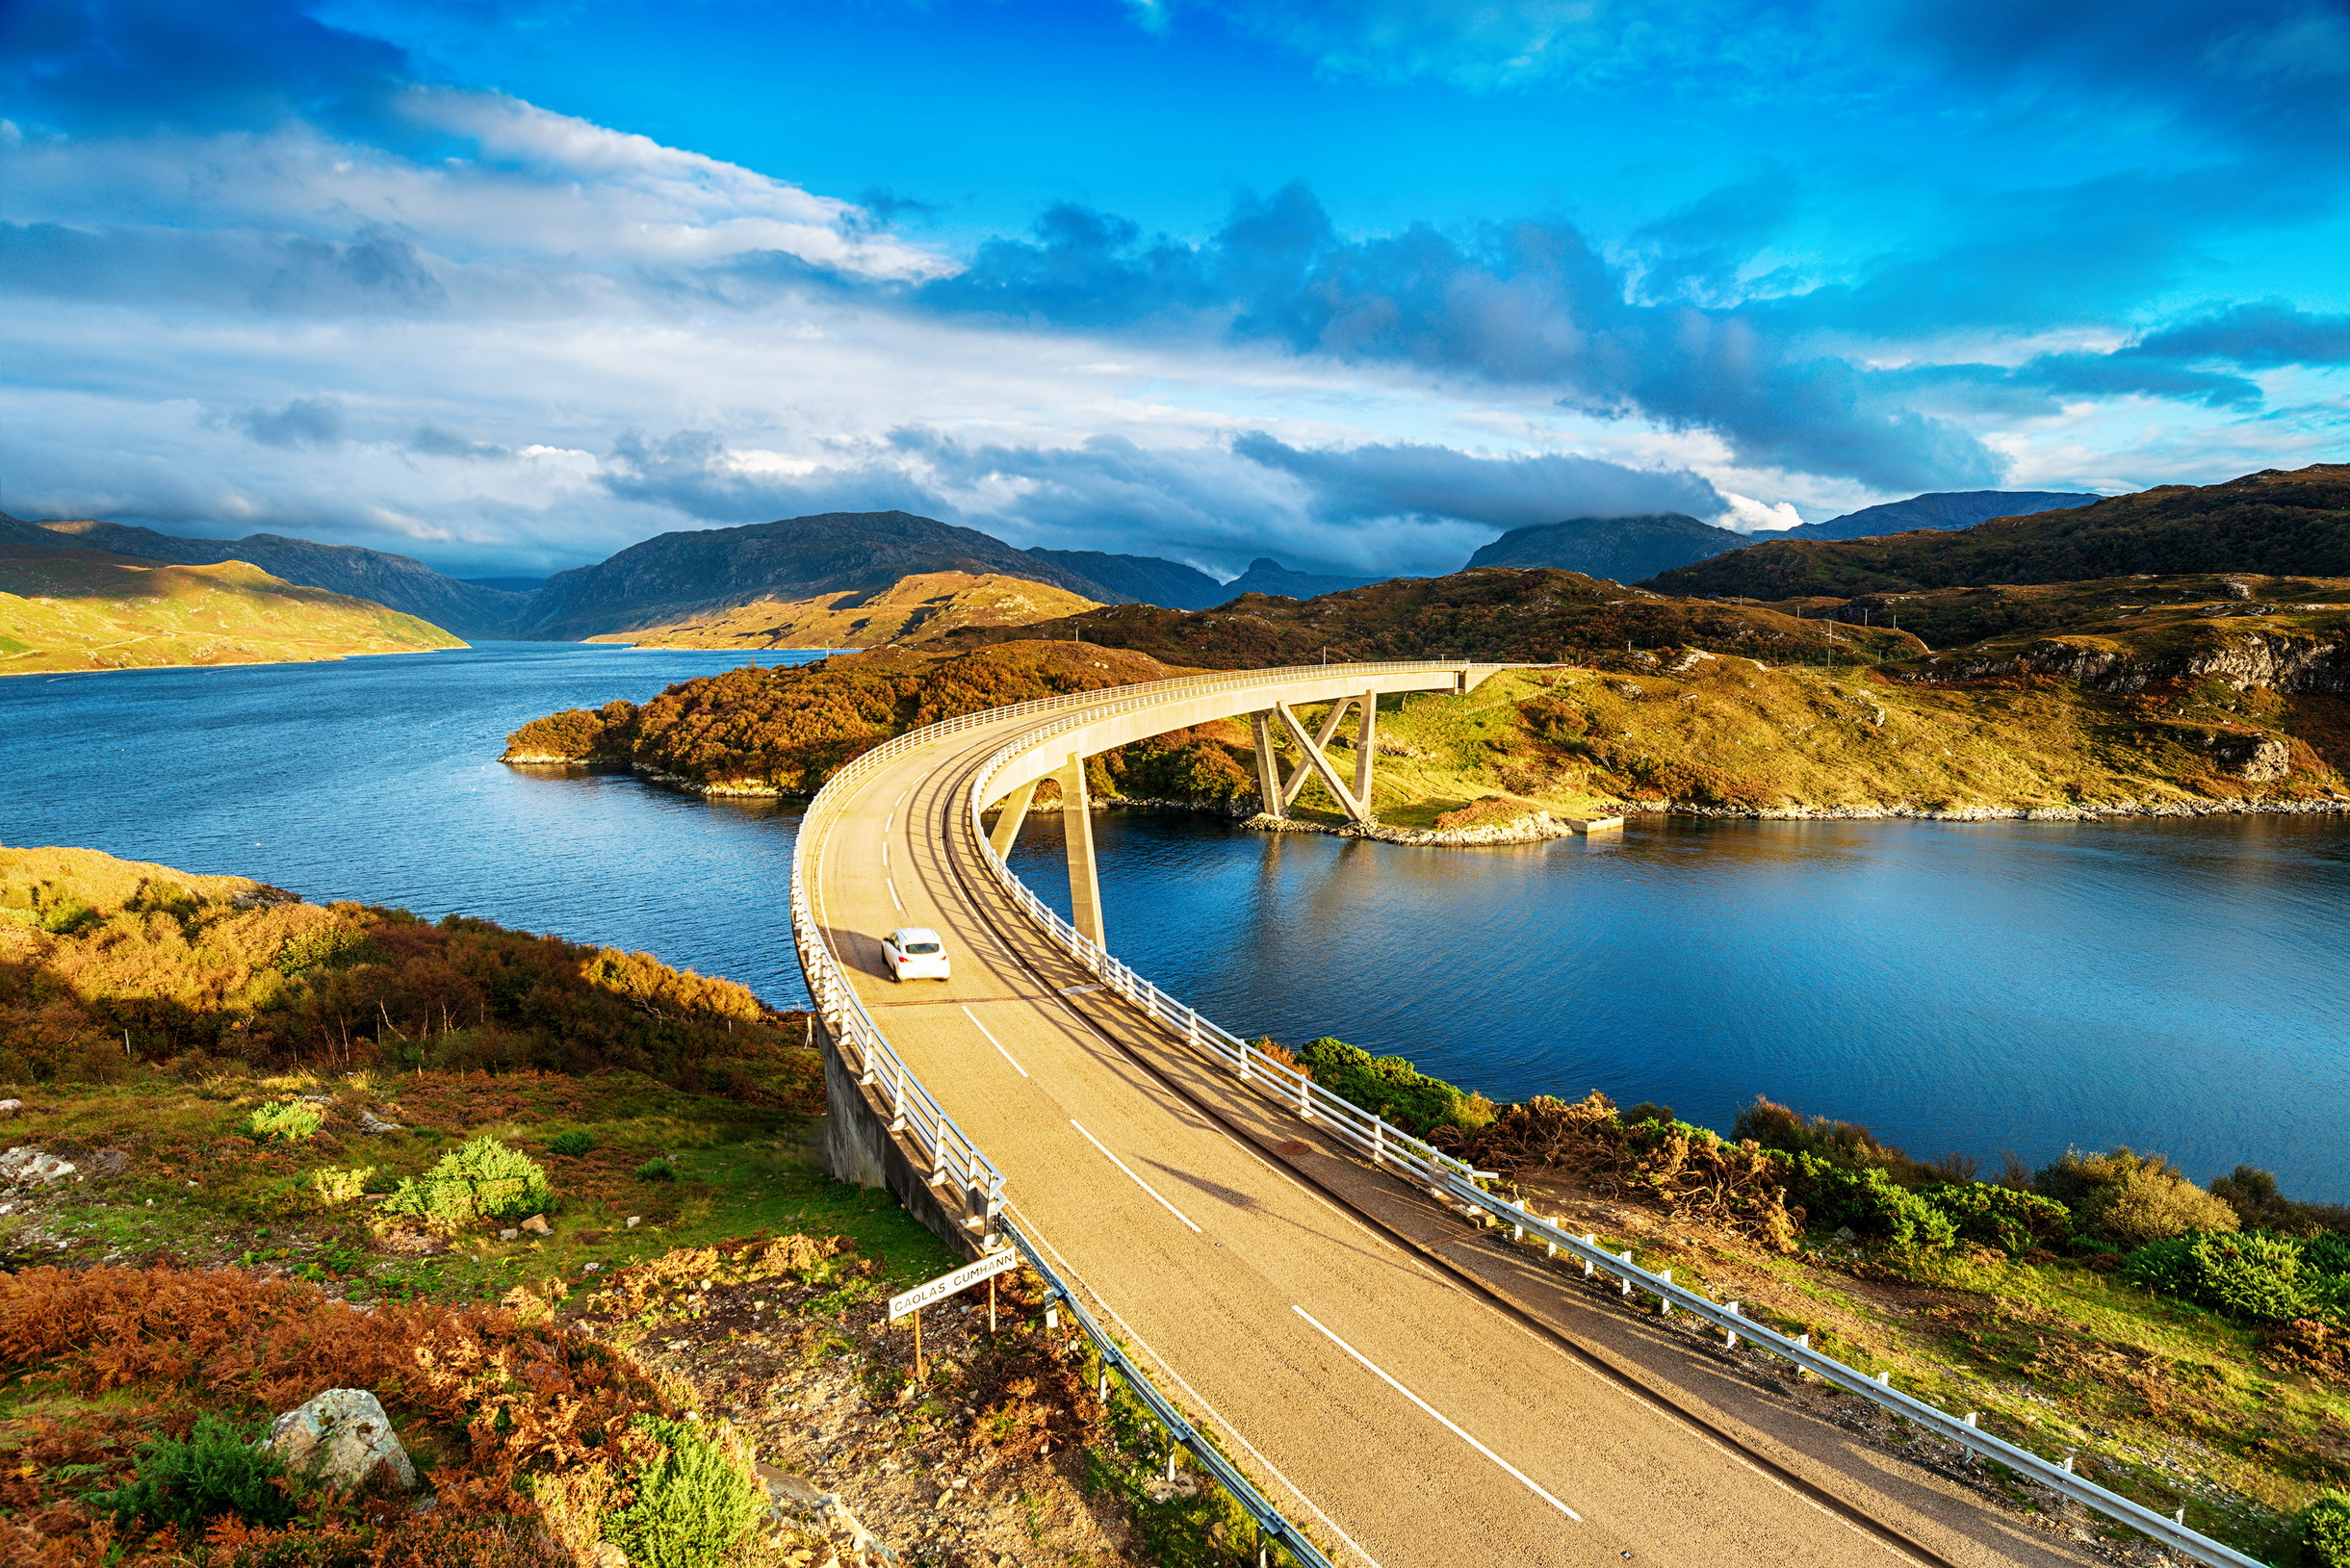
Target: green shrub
x=1648, y=1111
x=575, y=1142
x=2325, y=1531
x=2001, y=1217
x=1868, y=1202
x=692, y=1504
x=2245, y=1275
x=480, y=1179
x=1392, y=1089
x=214, y=1471
x=657, y=1169
x=331, y=1187
x=291, y=1122
x=1846, y=1144
x=2328, y=1254
x=2131, y=1200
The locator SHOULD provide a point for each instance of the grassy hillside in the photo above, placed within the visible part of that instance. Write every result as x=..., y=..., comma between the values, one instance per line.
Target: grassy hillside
x=913, y=608
x=2273, y=522
x=83, y=609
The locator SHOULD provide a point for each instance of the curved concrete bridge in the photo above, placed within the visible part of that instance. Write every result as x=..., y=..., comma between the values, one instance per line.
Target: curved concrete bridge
x=1411, y=1389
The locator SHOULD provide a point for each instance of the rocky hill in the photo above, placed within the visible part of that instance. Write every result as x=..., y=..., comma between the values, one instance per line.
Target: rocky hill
x=2274, y=523
x=397, y=582
x=1620, y=549
x=912, y=610
x=1490, y=613
x=758, y=730
x=1941, y=509
x=1144, y=580
x=63, y=609
x=695, y=573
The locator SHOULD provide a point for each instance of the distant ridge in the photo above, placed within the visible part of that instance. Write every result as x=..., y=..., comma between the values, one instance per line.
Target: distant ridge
x=1618, y=548
x=398, y=582
x=1936, y=509
x=1142, y=579
x=1267, y=575
x=695, y=572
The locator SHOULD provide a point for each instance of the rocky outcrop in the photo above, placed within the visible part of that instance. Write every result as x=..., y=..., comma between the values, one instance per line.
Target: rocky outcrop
x=2280, y=660
x=339, y=1439
x=1532, y=828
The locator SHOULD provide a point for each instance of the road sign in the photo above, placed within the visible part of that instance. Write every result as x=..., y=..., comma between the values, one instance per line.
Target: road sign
x=945, y=1285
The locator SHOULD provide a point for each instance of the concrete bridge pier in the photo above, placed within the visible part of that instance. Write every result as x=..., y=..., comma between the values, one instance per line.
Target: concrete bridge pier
x=1077, y=834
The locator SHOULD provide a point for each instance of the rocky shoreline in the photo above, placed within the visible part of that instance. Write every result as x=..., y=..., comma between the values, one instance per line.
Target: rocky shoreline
x=2085, y=813
x=1540, y=826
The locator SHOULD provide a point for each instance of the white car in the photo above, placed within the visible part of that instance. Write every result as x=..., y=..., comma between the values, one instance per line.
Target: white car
x=915, y=952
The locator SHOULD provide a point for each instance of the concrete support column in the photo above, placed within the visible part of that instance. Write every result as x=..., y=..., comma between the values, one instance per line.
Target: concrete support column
x=1363, y=738
x=1007, y=822
x=1268, y=771
x=1078, y=834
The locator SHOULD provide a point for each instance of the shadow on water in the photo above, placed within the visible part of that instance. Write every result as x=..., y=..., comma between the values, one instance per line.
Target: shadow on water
x=1977, y=986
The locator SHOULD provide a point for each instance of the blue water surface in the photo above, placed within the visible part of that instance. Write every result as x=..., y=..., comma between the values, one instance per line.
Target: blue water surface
x=1969, y=988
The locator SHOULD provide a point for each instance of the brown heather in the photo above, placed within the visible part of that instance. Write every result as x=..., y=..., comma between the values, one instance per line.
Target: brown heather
x=498, y=1410
x=200, y=968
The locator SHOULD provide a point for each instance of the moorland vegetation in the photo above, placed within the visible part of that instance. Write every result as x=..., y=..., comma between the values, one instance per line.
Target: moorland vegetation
x=2191, y=1344
x=599, y=1267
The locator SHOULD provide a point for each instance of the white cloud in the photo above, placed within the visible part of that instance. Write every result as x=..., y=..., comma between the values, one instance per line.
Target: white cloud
x=1747, y=515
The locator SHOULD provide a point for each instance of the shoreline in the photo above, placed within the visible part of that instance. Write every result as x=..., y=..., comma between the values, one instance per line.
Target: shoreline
x=1540, y=826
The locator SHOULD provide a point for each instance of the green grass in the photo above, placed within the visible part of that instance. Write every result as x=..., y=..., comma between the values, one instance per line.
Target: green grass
x=739, y=1169
x=1723, y=733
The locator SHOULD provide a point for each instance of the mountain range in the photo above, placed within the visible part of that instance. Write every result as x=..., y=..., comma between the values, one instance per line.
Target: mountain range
x=795, y=574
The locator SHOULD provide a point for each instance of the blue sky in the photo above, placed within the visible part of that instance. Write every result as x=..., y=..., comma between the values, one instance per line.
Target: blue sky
x=508, y=286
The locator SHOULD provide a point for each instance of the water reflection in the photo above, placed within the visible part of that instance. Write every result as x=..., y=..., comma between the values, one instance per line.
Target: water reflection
x=1977, y=986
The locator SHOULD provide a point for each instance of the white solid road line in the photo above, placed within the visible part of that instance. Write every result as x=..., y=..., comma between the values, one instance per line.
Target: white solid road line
x=892, y=883
x=1523, y=1477
x=1130, y=1176
x=999, y=1047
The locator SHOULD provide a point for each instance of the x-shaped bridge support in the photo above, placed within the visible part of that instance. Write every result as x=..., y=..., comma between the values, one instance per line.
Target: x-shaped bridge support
x=1278, y=793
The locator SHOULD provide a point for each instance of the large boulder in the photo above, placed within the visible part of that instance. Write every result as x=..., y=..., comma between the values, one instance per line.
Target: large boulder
x=341, y=1437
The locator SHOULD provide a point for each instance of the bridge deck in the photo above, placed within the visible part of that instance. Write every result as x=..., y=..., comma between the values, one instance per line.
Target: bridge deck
x=1303, y=1302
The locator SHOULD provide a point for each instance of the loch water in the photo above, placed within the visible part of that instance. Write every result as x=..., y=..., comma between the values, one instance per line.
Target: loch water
x=1973, y=988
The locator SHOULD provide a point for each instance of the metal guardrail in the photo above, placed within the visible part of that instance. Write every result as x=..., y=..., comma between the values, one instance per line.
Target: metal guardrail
x=1446, y=1176
x=1268, y=1519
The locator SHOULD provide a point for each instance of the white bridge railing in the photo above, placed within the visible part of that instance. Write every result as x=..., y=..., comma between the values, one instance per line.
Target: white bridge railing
x=1410, y=1157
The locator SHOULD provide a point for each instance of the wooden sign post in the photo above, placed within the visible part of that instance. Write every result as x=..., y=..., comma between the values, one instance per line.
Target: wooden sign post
x=947, y=1285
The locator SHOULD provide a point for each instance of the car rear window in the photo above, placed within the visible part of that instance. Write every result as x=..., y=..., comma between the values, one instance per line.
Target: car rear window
x=915, y=948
